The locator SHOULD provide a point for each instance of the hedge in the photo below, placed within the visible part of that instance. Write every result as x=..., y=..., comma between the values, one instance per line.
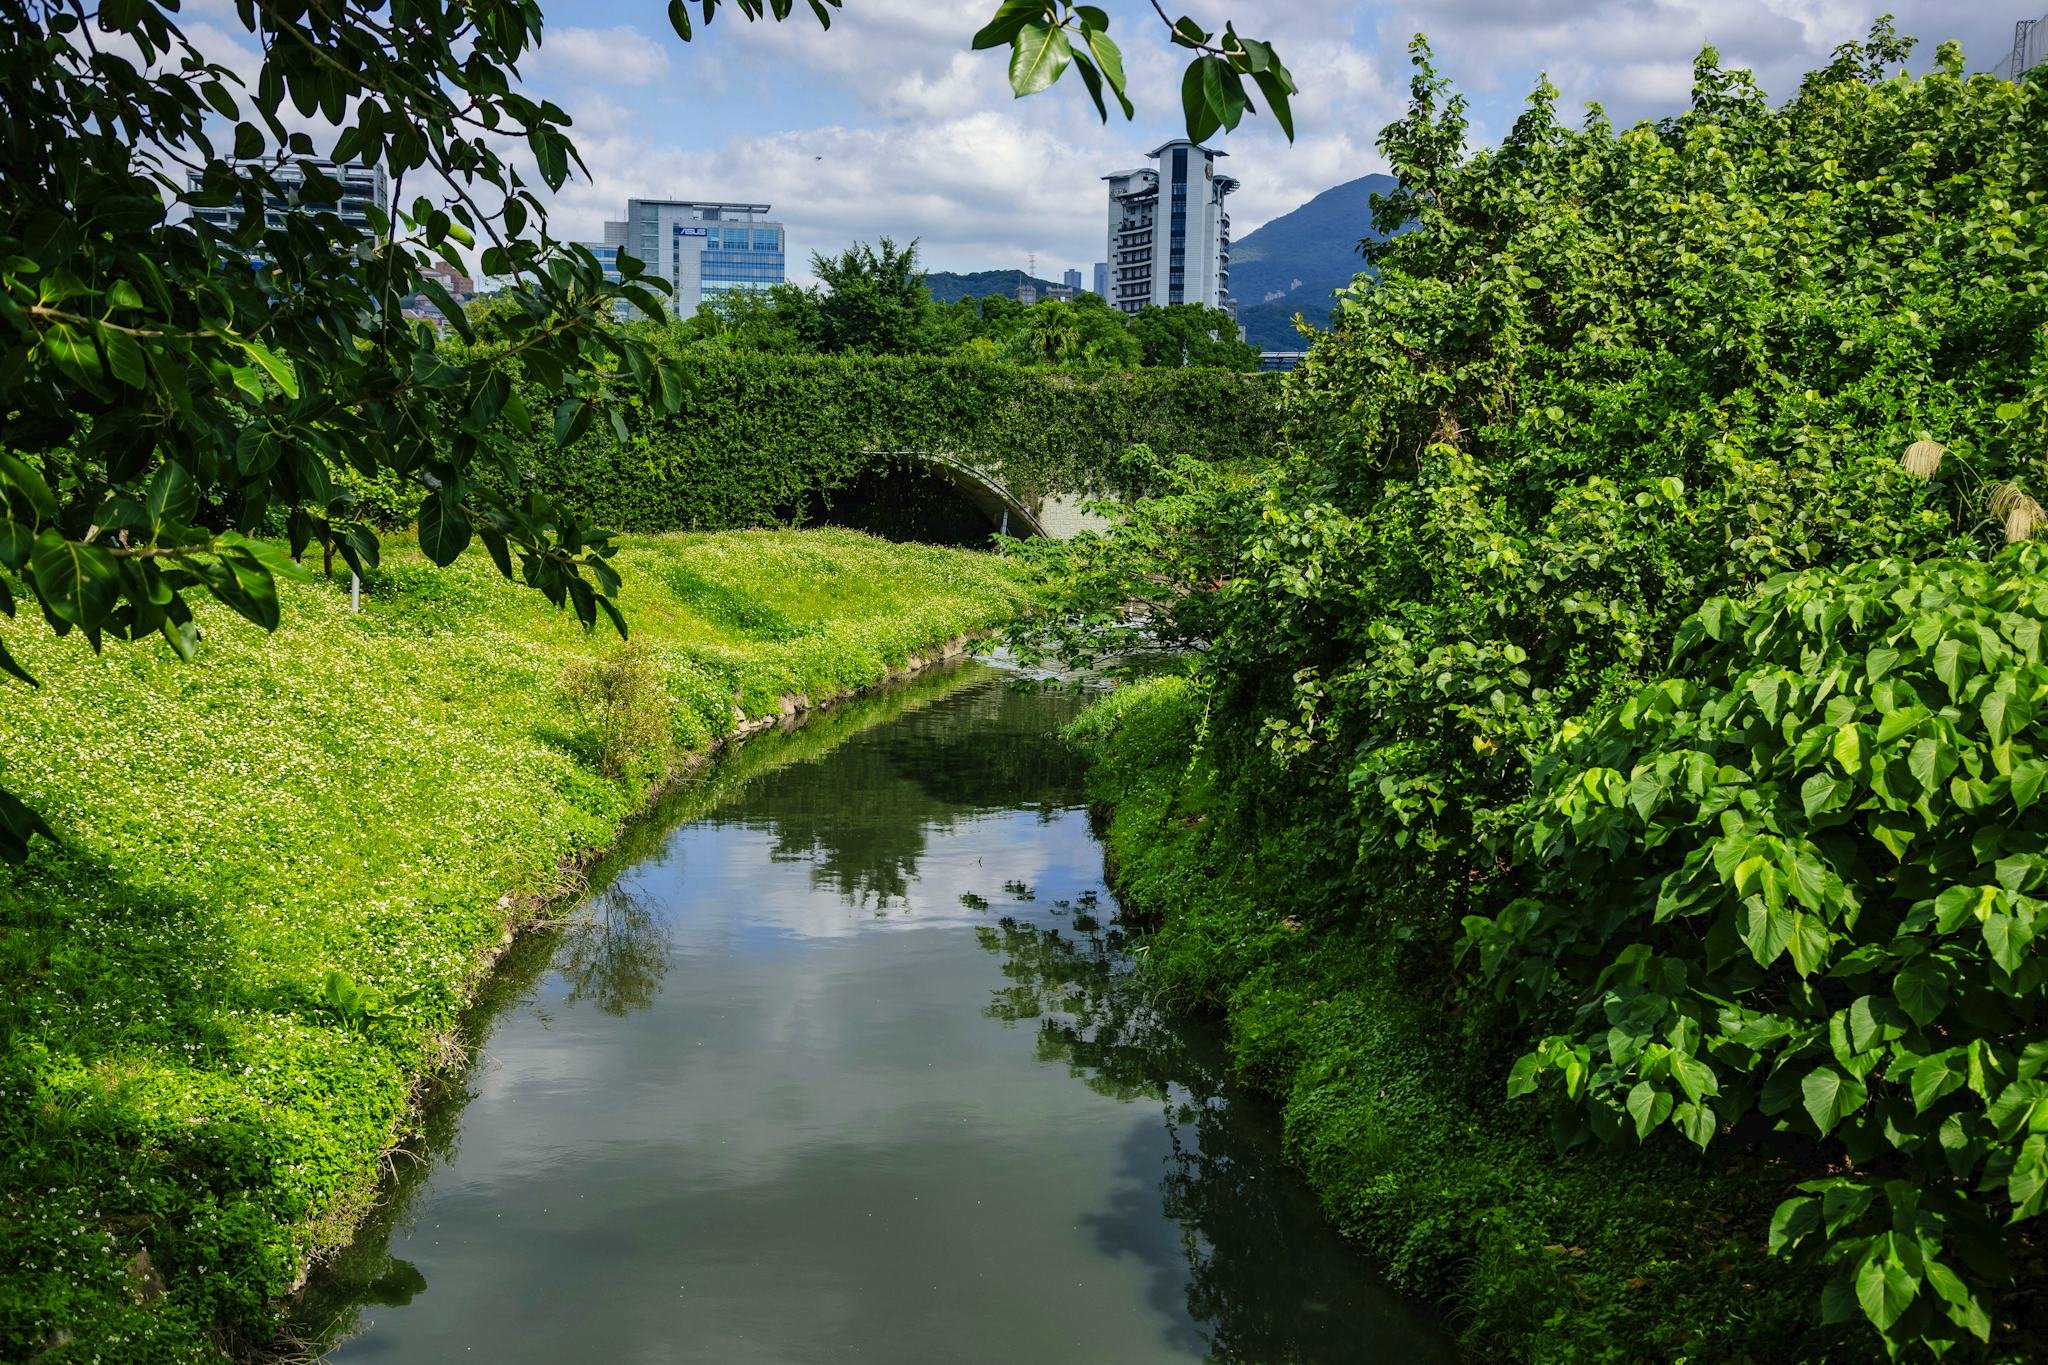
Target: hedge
x=759, y=434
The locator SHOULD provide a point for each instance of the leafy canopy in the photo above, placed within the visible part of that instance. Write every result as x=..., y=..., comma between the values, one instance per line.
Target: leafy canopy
x=1752, y=367
x=186, y=406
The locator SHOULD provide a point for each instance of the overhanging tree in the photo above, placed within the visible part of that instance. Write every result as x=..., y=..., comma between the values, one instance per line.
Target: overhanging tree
x=183, y=405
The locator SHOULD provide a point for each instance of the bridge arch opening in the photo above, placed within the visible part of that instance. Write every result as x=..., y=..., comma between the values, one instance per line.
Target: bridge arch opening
x=929, y=499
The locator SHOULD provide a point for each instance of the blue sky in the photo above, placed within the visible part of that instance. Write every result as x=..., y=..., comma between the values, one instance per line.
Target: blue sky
x=889, y=124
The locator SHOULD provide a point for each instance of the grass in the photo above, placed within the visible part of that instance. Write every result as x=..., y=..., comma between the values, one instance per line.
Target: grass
x=284, y=868
x=1396, y=1109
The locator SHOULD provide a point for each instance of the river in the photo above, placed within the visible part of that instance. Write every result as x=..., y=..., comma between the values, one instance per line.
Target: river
x=845, y=1058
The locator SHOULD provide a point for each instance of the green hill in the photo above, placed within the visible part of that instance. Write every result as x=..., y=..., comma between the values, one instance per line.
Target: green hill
x=948, y=287
x=1295, y=262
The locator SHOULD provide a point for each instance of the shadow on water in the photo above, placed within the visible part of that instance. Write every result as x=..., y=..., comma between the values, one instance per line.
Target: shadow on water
x=1257, y=1271
x=1228, y=1257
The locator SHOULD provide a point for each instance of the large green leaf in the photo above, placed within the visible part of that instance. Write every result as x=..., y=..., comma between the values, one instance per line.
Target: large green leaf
x=1010, y=18
x=1110, y=58
x=1766, y=930
x=1203, y=118
x=444, y=529
x=77, y=583
x=2007, y=937
x=1040, y=54
x=1885, y=1290
x=1921, y=990
x=1831, y=1096
x=1648, y=1106
x=170, y=499
x=2027, y=1186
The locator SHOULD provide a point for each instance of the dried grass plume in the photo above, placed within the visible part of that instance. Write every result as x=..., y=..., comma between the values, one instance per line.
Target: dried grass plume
x=2021, y=514
x=1922, y=458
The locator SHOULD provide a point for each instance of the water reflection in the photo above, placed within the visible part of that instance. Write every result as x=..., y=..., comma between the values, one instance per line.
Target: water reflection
x=864, y=820
x=615, y=954
x=730, y=1115
x=1261, y=1276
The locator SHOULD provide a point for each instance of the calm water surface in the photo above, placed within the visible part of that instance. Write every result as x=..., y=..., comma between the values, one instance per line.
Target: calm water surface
x=847, y=1062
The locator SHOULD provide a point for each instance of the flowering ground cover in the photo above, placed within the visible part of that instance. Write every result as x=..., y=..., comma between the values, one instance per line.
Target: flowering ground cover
x=282, y=869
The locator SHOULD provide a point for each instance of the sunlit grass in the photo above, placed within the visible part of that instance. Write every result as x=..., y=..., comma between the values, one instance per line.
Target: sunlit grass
x=370, y=794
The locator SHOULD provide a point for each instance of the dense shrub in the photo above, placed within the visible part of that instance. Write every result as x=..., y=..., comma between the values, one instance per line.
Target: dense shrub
x=1603, y=378
x=757, y=435
x=1802, y=877
x=619, y=698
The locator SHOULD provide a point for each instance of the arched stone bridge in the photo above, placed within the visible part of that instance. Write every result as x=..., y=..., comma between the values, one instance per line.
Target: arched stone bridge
x=1055, y=515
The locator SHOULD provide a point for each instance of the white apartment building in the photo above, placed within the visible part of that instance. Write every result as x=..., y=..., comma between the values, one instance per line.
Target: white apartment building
x=1169, y=233
x=700, y=248
x=362, y=188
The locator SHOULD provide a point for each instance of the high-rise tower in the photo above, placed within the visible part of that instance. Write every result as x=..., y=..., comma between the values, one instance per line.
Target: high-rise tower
x=1169, y=232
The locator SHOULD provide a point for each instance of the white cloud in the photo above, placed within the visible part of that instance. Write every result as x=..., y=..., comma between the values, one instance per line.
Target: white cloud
x=889, y=124
x=603, y=56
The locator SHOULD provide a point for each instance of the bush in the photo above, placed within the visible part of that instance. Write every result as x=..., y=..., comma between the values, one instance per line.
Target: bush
x=619, y=698
x=1602, y=377
x=758, y=435
x=1803, y=878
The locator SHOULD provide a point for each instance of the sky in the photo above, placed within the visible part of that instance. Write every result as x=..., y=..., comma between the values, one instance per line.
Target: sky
x=890, y=125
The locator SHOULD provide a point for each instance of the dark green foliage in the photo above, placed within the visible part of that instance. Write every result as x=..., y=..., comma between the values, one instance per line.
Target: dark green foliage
x=1802, y=878
x=756, y=435
x=950, y=287
x=1191, y=334
x=1393, y=1103
x=873, y=300
x=1604, y=382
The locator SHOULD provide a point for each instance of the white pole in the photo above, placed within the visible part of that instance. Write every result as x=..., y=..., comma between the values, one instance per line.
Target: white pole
x=355, y=593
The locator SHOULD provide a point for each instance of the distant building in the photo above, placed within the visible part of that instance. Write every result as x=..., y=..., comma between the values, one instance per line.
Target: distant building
x=1063, y=292
x=1073, y=281
x=1281, y=361
x=1102, y=278
x=460, y=288
x=1169, y=233
x=701, y=248
x=362, y=188
x=1027, y=292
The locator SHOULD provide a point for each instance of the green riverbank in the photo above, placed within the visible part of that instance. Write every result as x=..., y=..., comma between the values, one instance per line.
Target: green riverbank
x=1397, y=1112
x=219, y=994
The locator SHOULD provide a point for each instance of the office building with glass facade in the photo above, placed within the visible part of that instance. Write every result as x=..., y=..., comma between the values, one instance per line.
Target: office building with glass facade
x=701, y=248
x=1169, y=233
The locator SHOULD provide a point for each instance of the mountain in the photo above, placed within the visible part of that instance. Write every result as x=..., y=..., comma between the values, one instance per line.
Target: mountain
x=1294, y=263
x=948, y=287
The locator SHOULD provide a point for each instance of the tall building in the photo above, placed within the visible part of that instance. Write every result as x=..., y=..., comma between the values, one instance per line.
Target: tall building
x=700, y=248
x=1072, y=279
x=1177, y=251
x=1102, y=278
x=362, y=187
